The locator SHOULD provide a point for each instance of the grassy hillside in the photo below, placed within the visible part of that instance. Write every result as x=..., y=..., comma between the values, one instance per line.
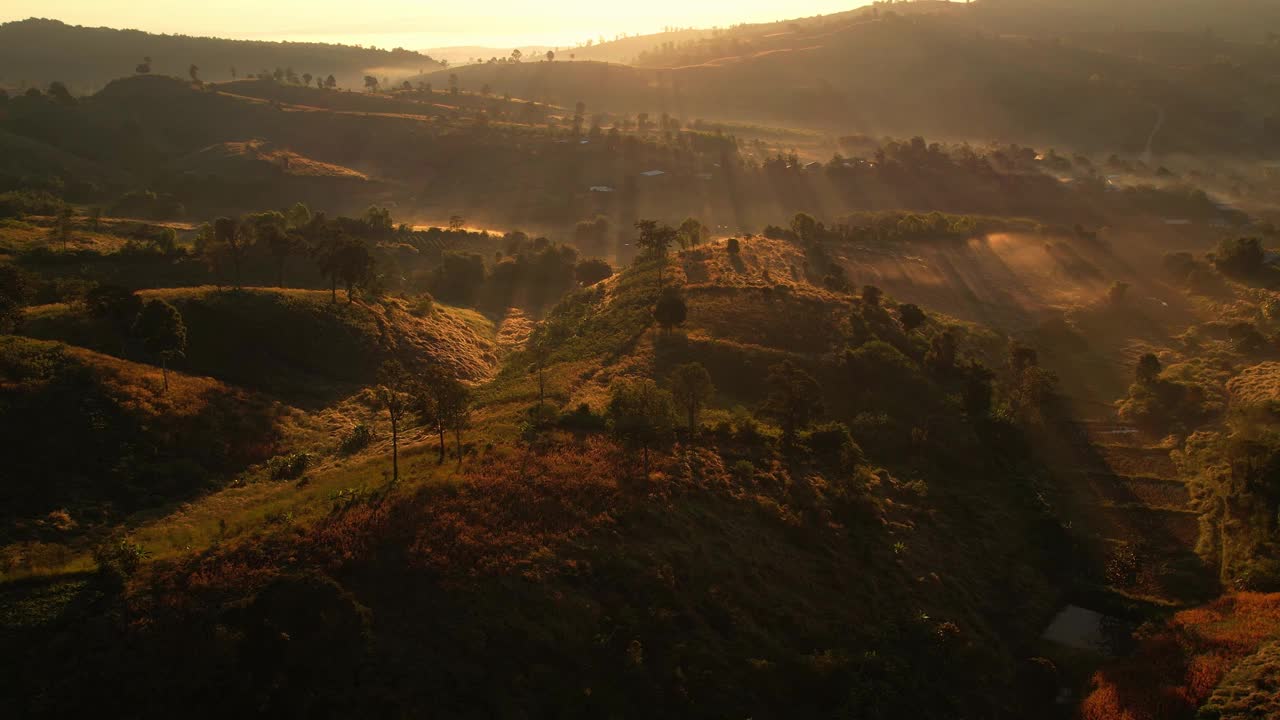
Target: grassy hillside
x=734, y=564
x=295, y=343
x=122, y=444
x=935, y=74
x=31, y=51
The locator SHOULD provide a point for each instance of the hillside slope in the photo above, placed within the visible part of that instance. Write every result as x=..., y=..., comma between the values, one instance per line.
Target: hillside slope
x=33, y=51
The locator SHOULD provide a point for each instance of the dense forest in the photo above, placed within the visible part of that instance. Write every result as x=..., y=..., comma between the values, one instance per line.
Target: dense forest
x=916, y=361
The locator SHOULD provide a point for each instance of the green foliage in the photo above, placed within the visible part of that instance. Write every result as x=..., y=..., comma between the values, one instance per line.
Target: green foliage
x=641, y=415
x=671, y=310
x=288, y=467
x=590, y=271
x=356, y=439
x=795, y=399
x=119, y=557
x=691, y=388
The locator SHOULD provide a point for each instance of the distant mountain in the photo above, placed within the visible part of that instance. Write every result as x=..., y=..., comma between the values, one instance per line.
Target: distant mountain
x=36, y=52
x=946, y=70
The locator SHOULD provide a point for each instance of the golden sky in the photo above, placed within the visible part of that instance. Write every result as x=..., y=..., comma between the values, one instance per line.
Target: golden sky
x=416, y=24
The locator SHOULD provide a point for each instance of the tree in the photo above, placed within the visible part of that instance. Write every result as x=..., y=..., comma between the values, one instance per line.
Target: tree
x=457, y=222
x=551, y=56
x=442, y=403
x=330, y=82
x=453, y=83
x=144, y=67
x=272, y=230
x=590, y=271
x=163, y=333
x=871, y=295
x=516, y=55
x=371, y=83
x=691, y=388
x=579, y=116
x=691, y=233
x=911, y=316
x=306, y=79
x=118, y=306
x=351, y=264
x=15, y=291
x=59, y=92
x=795, y=398
x=63, y=226
x=194, y=72
x=805, y=227
x=654, y=242
x=671, y=310
x=641, y=415
x=232, y=238
x=1148, y=369
x=544, y=341
x=392, y=394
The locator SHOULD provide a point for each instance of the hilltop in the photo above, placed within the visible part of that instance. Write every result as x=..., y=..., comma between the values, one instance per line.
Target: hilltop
x=32, y=53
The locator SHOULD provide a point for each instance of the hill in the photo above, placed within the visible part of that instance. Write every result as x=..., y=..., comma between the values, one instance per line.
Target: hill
x=940, y=73
x=633, y=583
x=124, y=444
x=31, y=54
x=295, y=343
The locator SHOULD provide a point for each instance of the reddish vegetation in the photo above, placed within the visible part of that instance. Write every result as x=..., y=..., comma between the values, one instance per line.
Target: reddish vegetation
x=1176, y=668
x=506, y=517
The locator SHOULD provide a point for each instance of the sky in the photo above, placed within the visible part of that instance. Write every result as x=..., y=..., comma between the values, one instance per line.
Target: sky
x=416, y=24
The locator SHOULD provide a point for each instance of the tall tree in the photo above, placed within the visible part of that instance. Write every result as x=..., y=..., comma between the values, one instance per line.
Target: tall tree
x=671, y=310
x=443, y=404
x=691, y=388
x=654, y=242
x=545, y=340
x=63, y=226
x=118, y=306
x=795, y=398
x=233, y=238
x=352, y=265
x=393, y=396
x=641, y=415
x=163, y=333
x=692, y=233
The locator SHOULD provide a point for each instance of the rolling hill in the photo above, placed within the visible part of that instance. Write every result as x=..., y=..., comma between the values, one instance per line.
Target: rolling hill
x=31, y=55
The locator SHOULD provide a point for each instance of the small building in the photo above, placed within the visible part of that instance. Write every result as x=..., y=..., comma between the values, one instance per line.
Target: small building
x=601, y=189
x=653, y=173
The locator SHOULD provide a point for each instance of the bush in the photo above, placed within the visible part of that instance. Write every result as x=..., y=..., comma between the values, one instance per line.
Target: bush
x=119, y=557
x=743, y=470
x=288, y=467
x=582, y=419
x=592, y=271
x=733, y=246
x=832, y=443
x=357, y=439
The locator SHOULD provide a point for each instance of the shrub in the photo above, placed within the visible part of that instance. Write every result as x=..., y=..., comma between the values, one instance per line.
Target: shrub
x=743, y=470
x=288, y=467
x=733, y=246
x=592, y=271
x=119, y=557
x=582, y=419
x=834, y=444
x=356, y=439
